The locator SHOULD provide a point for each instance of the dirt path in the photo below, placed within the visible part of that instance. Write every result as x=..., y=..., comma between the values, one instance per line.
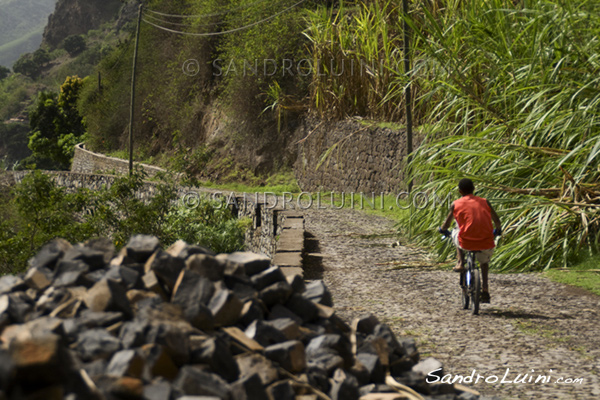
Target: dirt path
x=531, y=324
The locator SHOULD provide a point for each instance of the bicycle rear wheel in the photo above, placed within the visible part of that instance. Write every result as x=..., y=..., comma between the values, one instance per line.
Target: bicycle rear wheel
x=476, y=290
x=465, y=291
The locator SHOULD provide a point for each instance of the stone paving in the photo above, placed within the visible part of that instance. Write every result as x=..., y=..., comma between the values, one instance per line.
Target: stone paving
x=533, y=327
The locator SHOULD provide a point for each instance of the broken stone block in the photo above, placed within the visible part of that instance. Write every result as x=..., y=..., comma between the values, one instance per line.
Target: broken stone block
x=253, y=263
x=10, y=283
x=281, y=390
x=373, y=365
x=151, y=283
x=95, y=259
x=39, y=361
x=296, y=282
x=250, y=364
x=17, y=306
x=174, y=336
x=277, y=293
x=408, y=347
x=132, y=334
x=287, y=326
x=330, y=344
x=240, y=340
x=249, y=388
x=318, y=292
x=366, y=324
x=127, y=388
x=71, y=273
x=267, y=277
x=192, y=293
x=129, y=277
x=141, y=247
x=96, y=343
x=225, y=307
x=280, y=311
x=427, y=366
x=108, y=295
x=251, y=311
x=289, y=355
x=125, y=363
x=384, y=331
x=414, y=380
x=217, y=355
x=195, y=382
x=377, y=346
x=265, y=334
x=103, y=245
x=326, y=361
x=303, y=307
x=183, y=250
x=166, y=267
x=157, y=362
x=38, y=278
x=50, y=253
x=158, y=390
x=344, y=387
x=207, y=266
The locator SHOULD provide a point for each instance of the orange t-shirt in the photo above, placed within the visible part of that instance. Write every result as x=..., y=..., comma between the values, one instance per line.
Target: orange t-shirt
x=474, y=218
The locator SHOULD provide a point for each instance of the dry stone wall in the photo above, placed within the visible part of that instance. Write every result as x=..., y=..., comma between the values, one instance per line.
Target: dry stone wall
x=87, y=162
x=350, y=157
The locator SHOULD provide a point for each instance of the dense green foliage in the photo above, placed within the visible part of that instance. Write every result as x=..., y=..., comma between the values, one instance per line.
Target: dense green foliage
x=198, y=75
x=37, y=211
x=56, y=127
x=511, y=93
x=505, y=93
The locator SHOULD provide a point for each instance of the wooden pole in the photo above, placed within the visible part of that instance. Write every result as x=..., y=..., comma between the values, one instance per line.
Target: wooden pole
x=131, y=111
x=407, y=92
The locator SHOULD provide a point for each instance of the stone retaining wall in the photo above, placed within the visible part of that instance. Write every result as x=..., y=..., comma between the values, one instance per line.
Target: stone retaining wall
x=87, y=162
x=361, y=158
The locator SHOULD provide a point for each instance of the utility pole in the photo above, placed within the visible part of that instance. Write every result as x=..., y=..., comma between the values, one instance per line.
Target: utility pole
x=131, y=111
x=407, y=91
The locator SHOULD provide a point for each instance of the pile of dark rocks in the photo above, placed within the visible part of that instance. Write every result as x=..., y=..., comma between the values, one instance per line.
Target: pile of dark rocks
x=184, y=323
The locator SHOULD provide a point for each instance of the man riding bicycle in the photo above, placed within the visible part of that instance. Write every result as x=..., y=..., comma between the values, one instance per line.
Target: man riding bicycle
x=474, y=216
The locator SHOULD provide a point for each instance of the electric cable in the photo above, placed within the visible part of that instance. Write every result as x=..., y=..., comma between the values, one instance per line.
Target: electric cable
x=228, y=31
x=207, y=15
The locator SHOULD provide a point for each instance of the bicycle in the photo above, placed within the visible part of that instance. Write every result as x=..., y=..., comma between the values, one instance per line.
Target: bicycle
x=470, y=278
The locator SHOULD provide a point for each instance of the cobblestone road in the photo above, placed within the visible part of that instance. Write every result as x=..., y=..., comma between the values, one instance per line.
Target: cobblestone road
x=532, y=326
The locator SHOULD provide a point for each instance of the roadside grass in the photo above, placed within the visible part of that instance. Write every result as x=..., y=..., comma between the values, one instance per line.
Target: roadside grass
x=585, y=274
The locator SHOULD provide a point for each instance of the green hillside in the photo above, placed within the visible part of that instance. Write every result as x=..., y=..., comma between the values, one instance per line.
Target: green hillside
x=22, y=23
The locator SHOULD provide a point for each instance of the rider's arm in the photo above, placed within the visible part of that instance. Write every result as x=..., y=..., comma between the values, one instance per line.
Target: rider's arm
x=449, y=218
x=495, y=217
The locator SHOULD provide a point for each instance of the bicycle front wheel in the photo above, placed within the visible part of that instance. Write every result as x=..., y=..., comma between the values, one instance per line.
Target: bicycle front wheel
x=476, y=292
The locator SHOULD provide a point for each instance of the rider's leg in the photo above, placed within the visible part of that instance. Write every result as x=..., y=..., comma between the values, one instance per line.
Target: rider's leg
x=484, y=277
x=460, y=257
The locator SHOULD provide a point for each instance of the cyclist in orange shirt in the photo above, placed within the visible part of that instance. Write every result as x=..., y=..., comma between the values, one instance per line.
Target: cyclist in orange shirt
x=474, y=216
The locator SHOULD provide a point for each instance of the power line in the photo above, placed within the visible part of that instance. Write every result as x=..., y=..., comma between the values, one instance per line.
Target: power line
x=207, y=15
x=225, y=32
x=158, y=20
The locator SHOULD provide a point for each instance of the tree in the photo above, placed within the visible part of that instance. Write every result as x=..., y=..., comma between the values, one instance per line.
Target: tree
x=74, y=44
x=41, y=58
x=56, y=125
x=4, y=72
x=26, y=66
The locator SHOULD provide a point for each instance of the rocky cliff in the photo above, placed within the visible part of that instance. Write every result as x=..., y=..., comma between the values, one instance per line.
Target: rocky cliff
x=74, y=17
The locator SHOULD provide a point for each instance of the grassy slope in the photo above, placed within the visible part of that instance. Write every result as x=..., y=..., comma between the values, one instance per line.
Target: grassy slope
x=22, y=23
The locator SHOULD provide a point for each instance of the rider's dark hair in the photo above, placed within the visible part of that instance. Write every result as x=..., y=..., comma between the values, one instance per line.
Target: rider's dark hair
x=466, y=186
